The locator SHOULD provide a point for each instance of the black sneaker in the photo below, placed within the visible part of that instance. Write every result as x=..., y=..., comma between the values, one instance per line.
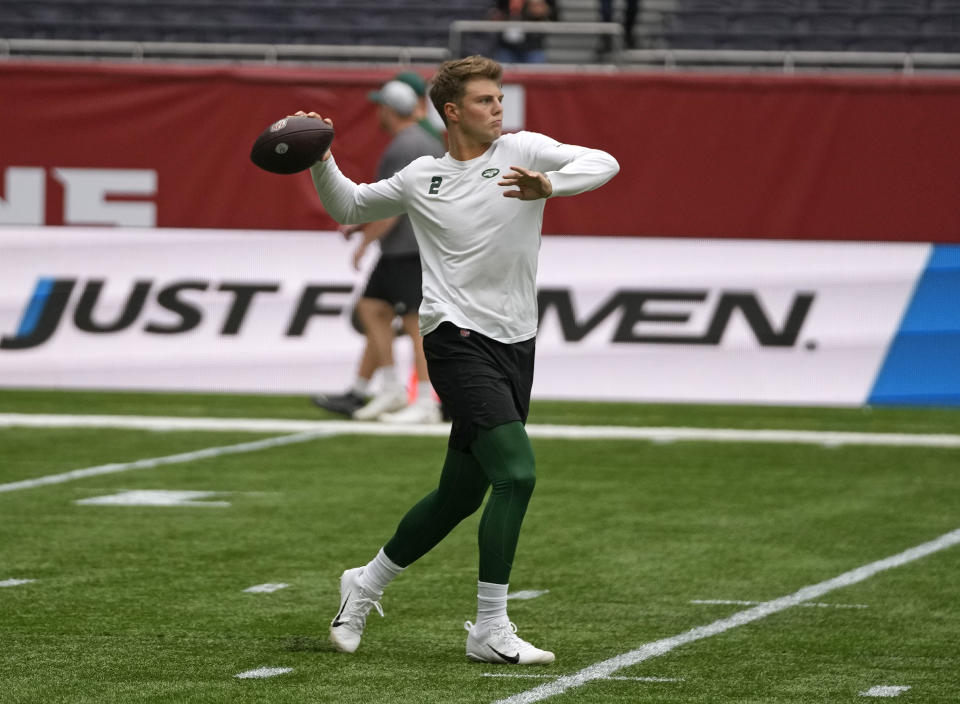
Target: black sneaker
x=344, y=404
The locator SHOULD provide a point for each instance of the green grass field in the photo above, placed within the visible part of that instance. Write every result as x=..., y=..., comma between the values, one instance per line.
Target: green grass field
x=626, y=537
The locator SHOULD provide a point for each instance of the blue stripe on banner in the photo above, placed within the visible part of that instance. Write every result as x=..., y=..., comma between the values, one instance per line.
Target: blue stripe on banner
x=923, y=363
x=31, y=316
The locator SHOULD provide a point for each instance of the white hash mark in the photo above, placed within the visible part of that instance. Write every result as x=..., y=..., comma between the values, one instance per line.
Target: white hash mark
x=885, y=690
x=15, y=582
x=155, y=497
x=266, y=588
x=528, y=594
x=261, y=672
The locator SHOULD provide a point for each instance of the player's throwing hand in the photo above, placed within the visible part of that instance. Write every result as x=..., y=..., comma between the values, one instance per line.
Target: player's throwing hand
x=531, y=185
x=301, y=113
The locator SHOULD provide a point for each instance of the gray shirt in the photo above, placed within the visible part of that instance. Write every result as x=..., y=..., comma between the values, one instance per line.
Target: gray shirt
x=409, y=143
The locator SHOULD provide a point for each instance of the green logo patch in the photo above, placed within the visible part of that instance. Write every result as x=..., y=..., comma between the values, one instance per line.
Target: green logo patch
x=490, y=173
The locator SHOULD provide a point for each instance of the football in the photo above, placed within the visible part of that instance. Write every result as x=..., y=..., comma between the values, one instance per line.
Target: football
x=292, y=144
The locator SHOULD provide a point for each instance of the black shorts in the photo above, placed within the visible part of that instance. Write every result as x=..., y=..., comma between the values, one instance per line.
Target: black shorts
x=481, y=382
x=398, y=281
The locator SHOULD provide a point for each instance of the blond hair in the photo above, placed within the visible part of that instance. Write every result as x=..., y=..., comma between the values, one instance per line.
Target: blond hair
x=449, y=85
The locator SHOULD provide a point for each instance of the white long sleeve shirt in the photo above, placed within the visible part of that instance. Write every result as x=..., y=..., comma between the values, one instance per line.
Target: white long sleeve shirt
x=479, y=250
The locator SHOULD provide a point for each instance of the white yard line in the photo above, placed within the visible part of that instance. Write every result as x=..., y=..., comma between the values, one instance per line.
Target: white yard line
x=590, y=432
x=253, y=425
x=742, y=602
x=603, y=670
x=152, y=462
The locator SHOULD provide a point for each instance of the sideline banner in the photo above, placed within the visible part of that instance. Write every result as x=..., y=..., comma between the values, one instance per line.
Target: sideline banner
x=727, y=321
x=177, y=309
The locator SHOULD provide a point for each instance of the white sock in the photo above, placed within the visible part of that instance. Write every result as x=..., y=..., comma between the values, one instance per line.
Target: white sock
x=425, y=392
x=379, y=572
x=491, y=603
x=390, y=377
x=360, y=386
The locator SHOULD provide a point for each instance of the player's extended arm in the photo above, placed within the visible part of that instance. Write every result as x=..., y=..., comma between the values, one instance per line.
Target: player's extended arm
x=348, y=202
x=586, y=170
x=567, y=169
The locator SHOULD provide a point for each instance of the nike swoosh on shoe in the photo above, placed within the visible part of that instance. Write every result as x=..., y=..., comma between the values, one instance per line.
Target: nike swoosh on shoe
x=336, y=619
x=512, y=659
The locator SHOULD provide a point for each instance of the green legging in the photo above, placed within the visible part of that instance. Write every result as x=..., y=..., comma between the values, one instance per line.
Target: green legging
x=501, y=458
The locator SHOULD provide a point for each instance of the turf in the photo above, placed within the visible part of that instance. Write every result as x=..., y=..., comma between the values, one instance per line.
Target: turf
x=146, y=604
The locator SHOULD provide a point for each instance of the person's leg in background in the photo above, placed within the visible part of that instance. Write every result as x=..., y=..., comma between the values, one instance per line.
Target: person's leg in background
x=358, y=395
x=631, y=12
x=425, y=407
x=376, y=316
x=629, y=23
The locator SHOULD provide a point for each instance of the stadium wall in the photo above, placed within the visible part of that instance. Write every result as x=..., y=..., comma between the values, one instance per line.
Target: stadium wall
x=821, y=158
x=769, y=239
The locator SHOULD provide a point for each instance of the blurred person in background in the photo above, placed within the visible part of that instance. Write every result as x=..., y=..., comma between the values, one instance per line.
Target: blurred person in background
x=393, y=289
x=631, y=10
x=415, y=81
x=477, y=214
x=514, y=45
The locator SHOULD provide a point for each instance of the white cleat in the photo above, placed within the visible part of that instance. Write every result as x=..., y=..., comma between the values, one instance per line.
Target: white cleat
x=414, y=414
x=388, y=400
x=500, y=644
x=346, y=629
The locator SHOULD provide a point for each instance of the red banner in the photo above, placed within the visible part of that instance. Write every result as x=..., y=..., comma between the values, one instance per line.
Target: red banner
x=836, y=158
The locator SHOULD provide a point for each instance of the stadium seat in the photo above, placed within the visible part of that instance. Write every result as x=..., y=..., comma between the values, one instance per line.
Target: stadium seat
x=774, y=5
x=830, y=24
x=708, y=5
x=838, y=5
x=408, y=22
x=874, y=25
x=934, y=23
x=766, y=23
x=695, y=21
x=896, y=5
x=890, y=24
x=834, y=25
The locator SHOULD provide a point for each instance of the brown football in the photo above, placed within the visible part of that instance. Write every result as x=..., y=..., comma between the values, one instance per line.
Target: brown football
x=292, y=144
